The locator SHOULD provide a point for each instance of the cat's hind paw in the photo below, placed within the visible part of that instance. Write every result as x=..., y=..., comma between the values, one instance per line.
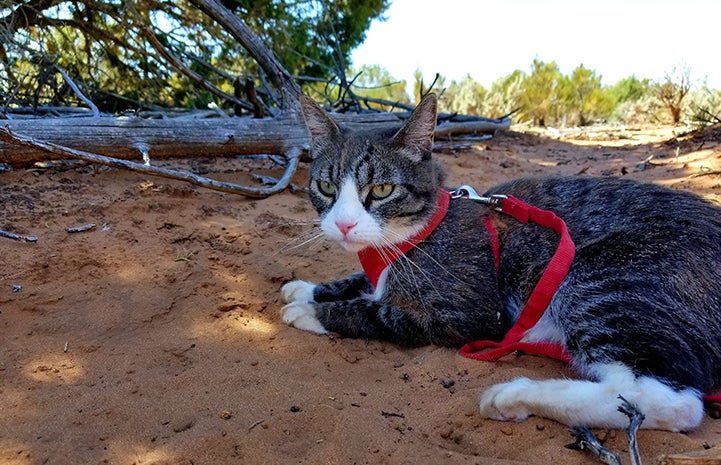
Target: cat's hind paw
x=297, y=291
x=506, y=401
x=301, y=315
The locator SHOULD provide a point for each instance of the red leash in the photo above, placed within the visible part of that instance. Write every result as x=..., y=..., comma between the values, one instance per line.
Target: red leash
x=543, y=292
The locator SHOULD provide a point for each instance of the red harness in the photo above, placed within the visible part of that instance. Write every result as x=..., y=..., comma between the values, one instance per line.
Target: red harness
x=374, y=261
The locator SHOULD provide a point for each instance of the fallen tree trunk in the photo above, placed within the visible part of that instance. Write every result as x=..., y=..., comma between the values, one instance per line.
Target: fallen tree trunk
x=117, y=141
x=137, y=138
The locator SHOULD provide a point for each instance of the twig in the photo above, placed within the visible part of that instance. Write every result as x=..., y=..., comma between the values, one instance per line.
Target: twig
x=178, y=65
x=78, y=92
x=705, y=173
x=293, y=157
x=278, y=75
x=586, y=441
x=250, y=428
x=17, y=237
x=270, y=180
x=253, y=97
x=635, y=417
x=82, y=228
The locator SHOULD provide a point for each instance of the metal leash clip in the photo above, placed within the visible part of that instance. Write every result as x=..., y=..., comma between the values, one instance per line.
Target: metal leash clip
x=495, y=201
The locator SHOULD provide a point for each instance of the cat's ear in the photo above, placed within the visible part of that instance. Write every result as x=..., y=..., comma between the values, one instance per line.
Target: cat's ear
x=319, y=124
x=415, y=138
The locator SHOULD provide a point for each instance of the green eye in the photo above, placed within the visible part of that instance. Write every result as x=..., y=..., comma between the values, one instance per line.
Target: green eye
x=326, y=188
x=381, y=191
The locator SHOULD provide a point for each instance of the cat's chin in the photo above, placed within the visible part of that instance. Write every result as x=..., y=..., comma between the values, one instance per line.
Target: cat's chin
x=351, y=246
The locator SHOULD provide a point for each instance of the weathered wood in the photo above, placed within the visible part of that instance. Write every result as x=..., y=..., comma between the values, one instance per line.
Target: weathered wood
x=292, y=157
x=130, y=138
x=700, y=457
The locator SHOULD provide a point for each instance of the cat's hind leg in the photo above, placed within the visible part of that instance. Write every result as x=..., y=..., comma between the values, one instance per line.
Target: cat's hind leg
x=594, y=403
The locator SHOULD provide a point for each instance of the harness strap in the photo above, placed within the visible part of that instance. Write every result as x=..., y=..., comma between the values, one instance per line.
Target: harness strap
x=542, y=294
x=375, y=259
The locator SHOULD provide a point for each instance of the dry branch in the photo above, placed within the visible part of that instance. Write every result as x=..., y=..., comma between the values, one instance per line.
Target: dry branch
x=292, y=157
x=278, y=75
x=130, y=138
x=127, y=138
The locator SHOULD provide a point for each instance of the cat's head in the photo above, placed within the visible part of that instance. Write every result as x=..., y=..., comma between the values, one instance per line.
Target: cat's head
x=370, y=188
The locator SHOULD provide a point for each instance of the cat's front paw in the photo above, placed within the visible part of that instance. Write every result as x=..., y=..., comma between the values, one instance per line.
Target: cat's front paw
x=301, y=315
x=297, y=291
x=506, y=401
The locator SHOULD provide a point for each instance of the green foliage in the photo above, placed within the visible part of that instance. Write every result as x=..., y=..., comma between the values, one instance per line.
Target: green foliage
x=466, y=97
x=584, y=99
x=704, y=106
x=541, y=93
x=310, y=37
x=104, y=46
x=505, y=95
x=546, y=96
x=629, y=89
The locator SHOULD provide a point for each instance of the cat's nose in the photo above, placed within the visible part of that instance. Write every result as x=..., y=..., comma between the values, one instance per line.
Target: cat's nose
x=345, y=226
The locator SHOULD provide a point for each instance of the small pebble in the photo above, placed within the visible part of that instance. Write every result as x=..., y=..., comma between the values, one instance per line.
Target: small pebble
x=183, y=424
x=447, y=383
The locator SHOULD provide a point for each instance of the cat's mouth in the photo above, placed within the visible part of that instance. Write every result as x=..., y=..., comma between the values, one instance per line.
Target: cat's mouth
x=353, y=245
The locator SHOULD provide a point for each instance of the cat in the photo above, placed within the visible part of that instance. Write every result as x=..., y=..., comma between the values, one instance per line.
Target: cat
x=639, y=310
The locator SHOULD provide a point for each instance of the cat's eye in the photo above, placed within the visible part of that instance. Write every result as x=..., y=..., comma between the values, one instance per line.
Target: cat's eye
x=381, y=191
x=326, y=188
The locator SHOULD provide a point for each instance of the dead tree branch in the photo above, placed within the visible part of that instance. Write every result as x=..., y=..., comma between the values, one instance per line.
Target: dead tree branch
x=278, y=75
x=292, y=157
x=195, y=77
x=78, y=92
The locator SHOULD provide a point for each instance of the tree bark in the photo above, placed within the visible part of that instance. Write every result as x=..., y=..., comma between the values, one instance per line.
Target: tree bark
x=132, y=138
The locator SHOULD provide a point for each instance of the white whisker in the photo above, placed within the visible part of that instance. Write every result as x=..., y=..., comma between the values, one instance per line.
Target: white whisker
x=309, y=240
x=411, y=265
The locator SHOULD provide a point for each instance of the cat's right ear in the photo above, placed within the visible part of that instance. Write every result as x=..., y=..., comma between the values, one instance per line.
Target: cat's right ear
x=319, y=124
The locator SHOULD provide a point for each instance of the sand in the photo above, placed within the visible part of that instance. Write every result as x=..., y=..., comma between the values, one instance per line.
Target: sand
x=155, y=338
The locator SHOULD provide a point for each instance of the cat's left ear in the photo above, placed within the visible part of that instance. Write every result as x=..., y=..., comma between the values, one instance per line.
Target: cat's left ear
x=415, y=138
x=319, y=124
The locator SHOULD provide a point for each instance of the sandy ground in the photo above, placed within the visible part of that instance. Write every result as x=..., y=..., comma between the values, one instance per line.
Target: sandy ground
x=154, y=338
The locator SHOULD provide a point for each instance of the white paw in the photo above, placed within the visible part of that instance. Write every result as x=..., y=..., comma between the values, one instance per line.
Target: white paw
x=301, y=315
x=506, y=401
x=297, y=291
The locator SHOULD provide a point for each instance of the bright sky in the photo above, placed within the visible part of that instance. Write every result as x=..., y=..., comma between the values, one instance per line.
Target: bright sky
x=490, y=39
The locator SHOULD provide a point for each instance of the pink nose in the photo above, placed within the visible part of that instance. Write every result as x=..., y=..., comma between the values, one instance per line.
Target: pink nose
x=344, y=226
